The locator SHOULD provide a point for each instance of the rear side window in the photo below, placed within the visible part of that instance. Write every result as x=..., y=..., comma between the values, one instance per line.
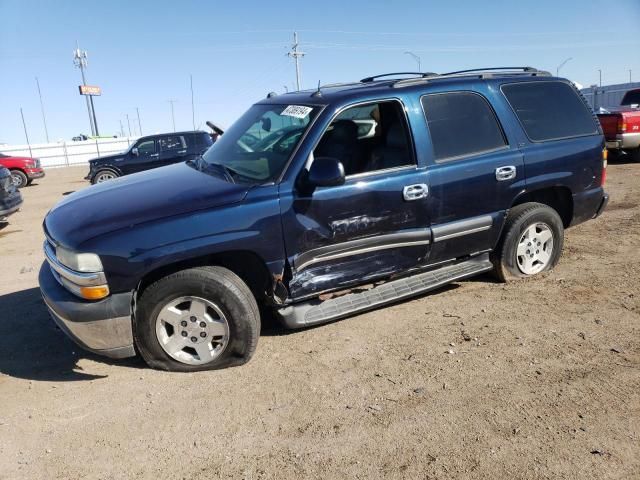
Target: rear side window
x=461, y=124
x=549, y=110
x=173, y=142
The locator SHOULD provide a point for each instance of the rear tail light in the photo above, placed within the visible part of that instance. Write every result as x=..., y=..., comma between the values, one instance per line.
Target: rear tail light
x=622, y=125
x=605, y=155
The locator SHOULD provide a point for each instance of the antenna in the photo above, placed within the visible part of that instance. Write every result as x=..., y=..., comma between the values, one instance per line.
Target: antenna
x=317, y=93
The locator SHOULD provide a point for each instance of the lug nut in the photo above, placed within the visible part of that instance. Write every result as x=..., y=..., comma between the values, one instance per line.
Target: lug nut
x=194, y=339
x=203, y=324
x=184, y=334
x=193, y=319
x=183, y=323
x=203, y=334
x=537, y=251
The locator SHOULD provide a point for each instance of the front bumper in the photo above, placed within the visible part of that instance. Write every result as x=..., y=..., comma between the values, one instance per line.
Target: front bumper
x=10, y=205
x=35, y=173
x=103, y=327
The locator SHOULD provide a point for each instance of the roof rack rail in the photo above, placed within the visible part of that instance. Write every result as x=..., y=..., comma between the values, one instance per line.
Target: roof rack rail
x=474, y=72
x=531, y=70
x=417, y=74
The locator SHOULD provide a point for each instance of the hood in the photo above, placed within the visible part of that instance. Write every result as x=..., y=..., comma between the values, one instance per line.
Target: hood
x=108, y=158
x=135, y=199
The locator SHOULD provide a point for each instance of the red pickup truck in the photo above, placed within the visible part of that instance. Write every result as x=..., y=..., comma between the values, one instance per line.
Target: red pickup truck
x=621, y=125
x=24, y=170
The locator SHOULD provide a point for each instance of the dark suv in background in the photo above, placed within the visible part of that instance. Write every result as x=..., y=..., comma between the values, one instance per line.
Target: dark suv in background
x=324, y=203
x=150, y=152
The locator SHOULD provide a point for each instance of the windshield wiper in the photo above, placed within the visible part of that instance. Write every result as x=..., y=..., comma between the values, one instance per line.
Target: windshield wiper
x=226, y=170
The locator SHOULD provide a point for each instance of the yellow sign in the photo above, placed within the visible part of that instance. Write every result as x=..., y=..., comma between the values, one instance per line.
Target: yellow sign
x=90, y=90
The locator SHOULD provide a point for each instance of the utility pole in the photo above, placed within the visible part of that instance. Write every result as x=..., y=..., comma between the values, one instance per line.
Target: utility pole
x=25, y=132
x=630, y=76
x=80, y=61
x=139, y=124
x=121, y=129
x=128, y=123
x=600, y=73
x=44, y=119
x=416, y=58
x=173, y=117
x=193, y=110
x=296, y=55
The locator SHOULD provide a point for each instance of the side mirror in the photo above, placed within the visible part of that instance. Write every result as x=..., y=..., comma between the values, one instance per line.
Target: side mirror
x=135, y=152
x=326, y=172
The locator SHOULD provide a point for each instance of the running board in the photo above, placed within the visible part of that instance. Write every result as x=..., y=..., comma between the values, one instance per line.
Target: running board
x=316, y=311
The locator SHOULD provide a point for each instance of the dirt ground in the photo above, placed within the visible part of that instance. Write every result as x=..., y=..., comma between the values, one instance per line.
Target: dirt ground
x=543, y=380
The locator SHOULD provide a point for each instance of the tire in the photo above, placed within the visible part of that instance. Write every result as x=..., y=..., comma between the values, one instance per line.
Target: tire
x=230, y=325
x=517, y=255
x=19, y=178
x=634, y=154
x=104, y=175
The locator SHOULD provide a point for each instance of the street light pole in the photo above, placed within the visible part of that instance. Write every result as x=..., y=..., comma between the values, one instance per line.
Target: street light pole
x=173, y=117
x=562, y=65
x=600, y=74
x=416, y=58
x=24, y=124
x=630, y=76
x=44, y=119
x=139, y=124
x=128, y=123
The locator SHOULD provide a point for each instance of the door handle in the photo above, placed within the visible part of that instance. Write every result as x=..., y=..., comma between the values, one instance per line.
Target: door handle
x=154, y=155
x=415, y=192
x=505, y=173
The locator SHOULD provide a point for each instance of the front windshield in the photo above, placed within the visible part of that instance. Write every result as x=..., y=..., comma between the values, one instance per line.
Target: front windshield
x=258, y=145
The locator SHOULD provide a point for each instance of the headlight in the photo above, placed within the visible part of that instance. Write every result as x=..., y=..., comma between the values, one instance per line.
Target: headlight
x=80, y=262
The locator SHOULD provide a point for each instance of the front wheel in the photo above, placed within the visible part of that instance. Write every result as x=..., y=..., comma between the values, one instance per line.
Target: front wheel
x=531, y=242
x=103, y=176
x=19, y=178
x=197, y=319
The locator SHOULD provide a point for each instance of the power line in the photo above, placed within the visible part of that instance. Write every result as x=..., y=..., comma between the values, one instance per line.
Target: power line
x=296, y=55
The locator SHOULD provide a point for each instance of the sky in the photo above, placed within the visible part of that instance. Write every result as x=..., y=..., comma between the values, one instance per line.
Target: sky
x=142, y=53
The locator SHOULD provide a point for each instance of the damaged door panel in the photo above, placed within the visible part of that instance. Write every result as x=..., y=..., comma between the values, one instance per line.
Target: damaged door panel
x=365, y=229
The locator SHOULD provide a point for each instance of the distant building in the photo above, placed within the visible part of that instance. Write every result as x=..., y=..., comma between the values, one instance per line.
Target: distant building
x=607, y=95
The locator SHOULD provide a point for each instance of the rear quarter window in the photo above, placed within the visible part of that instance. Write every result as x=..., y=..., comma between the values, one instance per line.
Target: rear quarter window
x=549, y=110
x=461, y=124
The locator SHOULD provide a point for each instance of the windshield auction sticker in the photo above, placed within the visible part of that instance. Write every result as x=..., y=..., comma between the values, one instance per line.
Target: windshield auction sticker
x=296, y=111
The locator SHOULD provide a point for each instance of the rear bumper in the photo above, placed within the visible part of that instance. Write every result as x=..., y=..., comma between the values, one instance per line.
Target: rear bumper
x=624, y=141
x=103, y=327
x=589, y=204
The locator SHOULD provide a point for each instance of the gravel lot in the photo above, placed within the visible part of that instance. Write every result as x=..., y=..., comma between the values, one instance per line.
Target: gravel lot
x=543, y=381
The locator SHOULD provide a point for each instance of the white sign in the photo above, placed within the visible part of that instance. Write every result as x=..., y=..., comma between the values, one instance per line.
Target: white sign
x=296, y=111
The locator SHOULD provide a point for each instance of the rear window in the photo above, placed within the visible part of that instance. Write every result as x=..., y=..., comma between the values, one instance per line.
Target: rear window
x=632, y=97
x=550, y=110
x=461, y=124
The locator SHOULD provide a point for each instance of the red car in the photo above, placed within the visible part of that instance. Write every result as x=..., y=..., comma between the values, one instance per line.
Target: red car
x=24, y=170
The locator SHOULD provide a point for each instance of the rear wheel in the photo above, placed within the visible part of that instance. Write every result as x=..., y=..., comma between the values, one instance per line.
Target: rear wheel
x=531, y=242
x=19, y=178
x=197, y=319
x=103, y=176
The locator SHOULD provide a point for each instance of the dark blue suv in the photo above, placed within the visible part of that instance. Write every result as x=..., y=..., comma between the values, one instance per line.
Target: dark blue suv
x=397, y=183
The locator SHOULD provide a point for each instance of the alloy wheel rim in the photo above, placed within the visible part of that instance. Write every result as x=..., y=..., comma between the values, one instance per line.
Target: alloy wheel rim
x=535, y=248
x=192, y=330
x=17, y=180
x=103, y=177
